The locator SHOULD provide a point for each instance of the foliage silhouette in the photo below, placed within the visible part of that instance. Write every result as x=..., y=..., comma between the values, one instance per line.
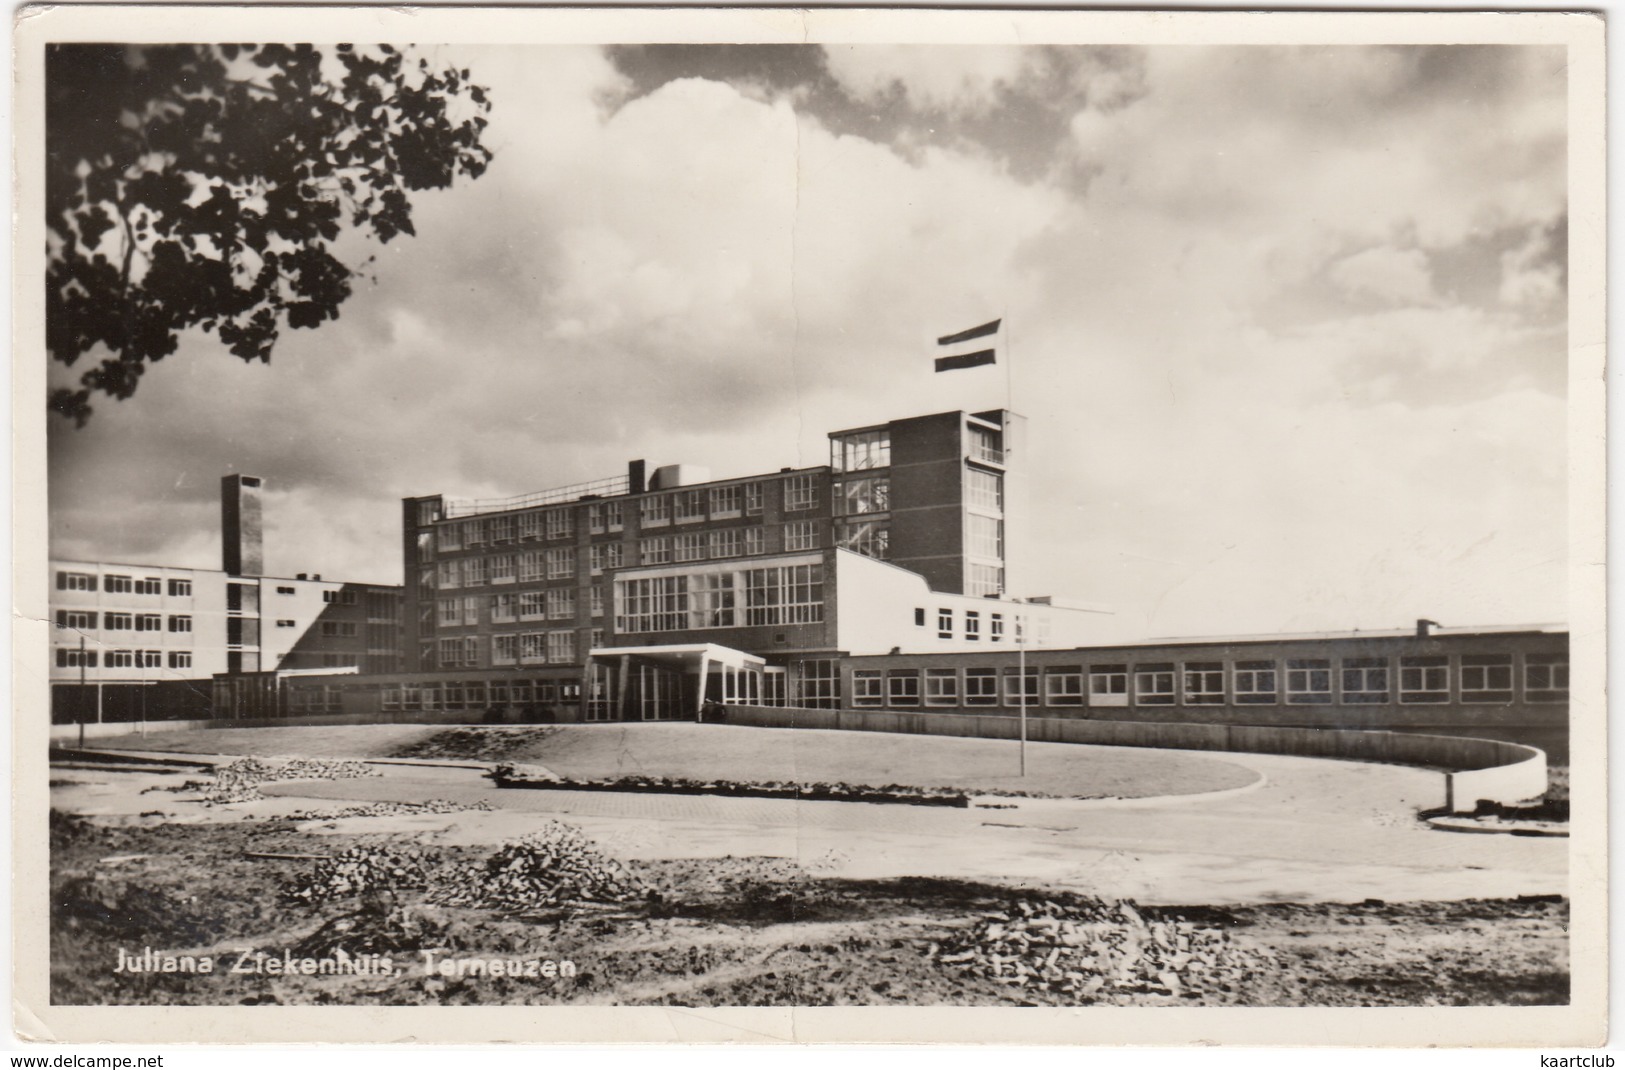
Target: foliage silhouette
x=206, y=186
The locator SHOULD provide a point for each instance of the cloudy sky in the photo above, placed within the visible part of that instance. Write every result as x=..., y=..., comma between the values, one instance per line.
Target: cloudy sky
x=1288, y=324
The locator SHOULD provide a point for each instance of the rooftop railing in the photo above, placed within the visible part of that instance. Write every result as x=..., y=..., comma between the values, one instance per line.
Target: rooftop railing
x=600, y=488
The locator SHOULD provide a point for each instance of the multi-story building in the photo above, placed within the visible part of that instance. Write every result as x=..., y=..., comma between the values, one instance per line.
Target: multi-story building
x=143, y=641
x=900, y=542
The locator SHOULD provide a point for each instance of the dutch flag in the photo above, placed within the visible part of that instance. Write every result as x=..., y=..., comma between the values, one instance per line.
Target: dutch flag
x=972, y=348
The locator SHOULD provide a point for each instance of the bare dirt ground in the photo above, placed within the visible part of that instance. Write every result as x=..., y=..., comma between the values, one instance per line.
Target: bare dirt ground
x=738, y=931
x=737, y=908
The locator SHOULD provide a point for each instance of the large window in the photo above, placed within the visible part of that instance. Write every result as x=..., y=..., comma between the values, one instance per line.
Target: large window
x=149, y=585
x=532, y=605
x=180, y=659
x=180, y=588
x=985, y=580
x=727, y=501
x=502, y=568
x=449, y=575
x=753, y=499
x=860, y=450
x=473, y=533
x=755, y=542
x=118, y=622
x=1424, y=679
x=689, y=506
x=903, y=687
x=605, y=516
x=1546, y=677
x=531, y=567
x=532, y=647
x=1154, y=685
x=561, y=648
x=149, y=622
x=561, y=603
x=530, y=525
x=118, y=584
x=868, y=688
x=984, y=490
x=504, y=649
x=561, y=563
x=656, y=550
x=651, y=604
x=784, y=594
x=986, y=444
x=942, y=687
x=449, y=537
x=561, y=523
x=1204, y=683
x=973, y=625
x=1308, y=681
x=502, y=529
x=654, y=510
x=1063, y=685
x=711, y=600
x=1108, y=685
x=858, y=496
x=1486, y=677
x=981, y=687
x=801, y=535
x=1255, y=683
x=75, y=581
x=1365, y=680
x=80, y=619
x=727, y=543
x=691, y=546
x=474, y=573
x=945, y=624
x=871, y=538
x=986, y=536
x=73, y=658
x=180, y=623
x=504, y=608
x=1020, y=688
x=818, y=683
x=800, y=492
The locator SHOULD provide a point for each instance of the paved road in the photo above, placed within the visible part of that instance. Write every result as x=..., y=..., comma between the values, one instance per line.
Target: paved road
x=1316, y=830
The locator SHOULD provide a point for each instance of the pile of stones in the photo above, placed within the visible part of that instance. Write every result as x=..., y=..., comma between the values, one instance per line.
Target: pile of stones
x=360, y=870
x=239, y=780
x=547, y=868
x=1090, y=950
x=387, y=809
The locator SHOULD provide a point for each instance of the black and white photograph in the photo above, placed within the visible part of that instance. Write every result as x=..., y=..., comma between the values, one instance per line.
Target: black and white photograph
x=757, y=515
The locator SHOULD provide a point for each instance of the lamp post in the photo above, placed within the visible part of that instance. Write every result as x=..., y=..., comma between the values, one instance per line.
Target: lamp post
x=1021, y=684
x=80, y=705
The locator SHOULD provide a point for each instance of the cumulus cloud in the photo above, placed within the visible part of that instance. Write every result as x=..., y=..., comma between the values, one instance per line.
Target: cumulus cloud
x=1282, y=319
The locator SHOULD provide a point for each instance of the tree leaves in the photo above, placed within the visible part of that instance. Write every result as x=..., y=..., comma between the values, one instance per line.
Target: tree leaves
x=204, y=186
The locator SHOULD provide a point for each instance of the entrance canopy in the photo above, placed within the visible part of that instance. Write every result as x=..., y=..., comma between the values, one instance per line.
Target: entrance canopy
x=656, y=682
x=687, y=656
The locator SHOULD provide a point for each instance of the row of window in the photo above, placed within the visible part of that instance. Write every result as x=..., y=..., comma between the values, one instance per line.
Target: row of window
x=530, y=648
x=558, y=603
x=654, y=510
x=783, y=594
x=1419, y=680
x=478, y=694
x=114, y=583
x=74, y=658
x=687, y=547
x=86, y=620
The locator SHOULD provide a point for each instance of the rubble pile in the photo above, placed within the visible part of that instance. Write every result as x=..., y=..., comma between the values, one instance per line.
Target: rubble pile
x=1092, y=949
x=387, y=809
x=554, y=865
x=365, y=868
x=239, y=780
x=514, y=775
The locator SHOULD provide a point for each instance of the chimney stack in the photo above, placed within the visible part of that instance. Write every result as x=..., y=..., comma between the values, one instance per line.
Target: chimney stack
x=242, y=532
x=1424, y=627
